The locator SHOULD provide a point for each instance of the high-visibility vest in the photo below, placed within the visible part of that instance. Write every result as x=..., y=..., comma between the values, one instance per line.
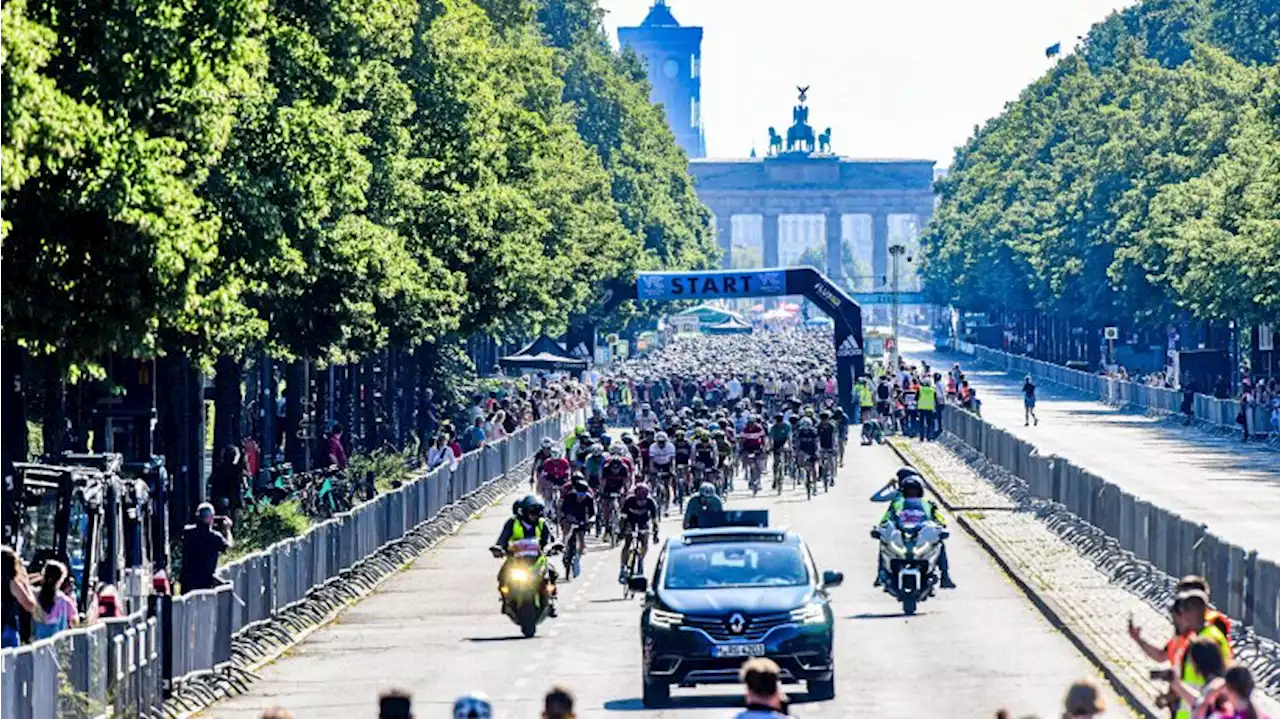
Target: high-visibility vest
x=927, y=400
x=1190, y=676
x=521, y=546
x=864, y=396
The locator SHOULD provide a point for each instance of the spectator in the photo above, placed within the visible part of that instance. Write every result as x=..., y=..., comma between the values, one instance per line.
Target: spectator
x=58, y=608
x=1083, y=701
x=1221, y=390
x=395, y=704
x=335, y=453
x=227, y=480
x=1236, y=687
x=1029, y=402
x=17, y=598
x=499, y=426
x=1188, y=399
x=765, y=699
x=202, y=543
x=440, y=453
x=454, y=443
x=1204, y=659
x=472, y=706
x=558, y=704
x=476, y=435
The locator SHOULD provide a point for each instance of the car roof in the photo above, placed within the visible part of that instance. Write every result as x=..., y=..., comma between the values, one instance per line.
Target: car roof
x=739, y=534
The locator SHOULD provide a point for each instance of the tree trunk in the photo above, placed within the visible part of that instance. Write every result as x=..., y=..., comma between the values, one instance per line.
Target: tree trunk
x=228, y=403
x=13, y=406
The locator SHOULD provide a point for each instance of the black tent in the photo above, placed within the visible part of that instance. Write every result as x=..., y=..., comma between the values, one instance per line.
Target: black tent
x=543, y=354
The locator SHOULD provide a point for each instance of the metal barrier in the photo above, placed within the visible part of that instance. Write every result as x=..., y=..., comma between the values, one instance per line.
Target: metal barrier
x=1143, y=546
x=1221, y=413
x=128, y=666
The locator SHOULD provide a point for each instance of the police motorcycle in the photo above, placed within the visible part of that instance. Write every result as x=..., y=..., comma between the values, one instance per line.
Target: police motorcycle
x=910, y=551
x=527, y=594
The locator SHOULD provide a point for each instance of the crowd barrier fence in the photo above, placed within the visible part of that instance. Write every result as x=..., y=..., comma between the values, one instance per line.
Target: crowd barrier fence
x=127, y=666
x=1244, y=585
x=1214, y=411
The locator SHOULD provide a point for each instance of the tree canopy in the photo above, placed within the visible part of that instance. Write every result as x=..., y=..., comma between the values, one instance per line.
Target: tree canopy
x=1136, y=181
x=324, y=179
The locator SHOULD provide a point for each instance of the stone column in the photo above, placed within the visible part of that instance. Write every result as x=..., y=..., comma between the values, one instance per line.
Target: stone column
x=835, y=247
x=769, y=237
x=880, y=250
x=724, y=235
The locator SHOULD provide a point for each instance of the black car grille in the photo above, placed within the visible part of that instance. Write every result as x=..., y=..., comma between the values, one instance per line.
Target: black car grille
x=754, y=629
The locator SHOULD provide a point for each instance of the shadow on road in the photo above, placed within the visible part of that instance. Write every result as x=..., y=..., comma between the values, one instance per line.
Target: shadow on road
x=484, y=640
x=883, y=615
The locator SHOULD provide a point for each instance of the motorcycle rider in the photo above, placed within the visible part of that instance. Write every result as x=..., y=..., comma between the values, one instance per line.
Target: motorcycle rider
x=639, y=511
x=911, y=499
x=524, y=537
x=706, y=502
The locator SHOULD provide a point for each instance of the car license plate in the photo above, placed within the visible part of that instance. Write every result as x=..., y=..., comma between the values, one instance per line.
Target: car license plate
x=738, y=650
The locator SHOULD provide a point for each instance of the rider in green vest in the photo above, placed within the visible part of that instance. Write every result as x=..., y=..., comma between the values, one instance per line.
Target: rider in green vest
x=527, y=536
x=911, y=495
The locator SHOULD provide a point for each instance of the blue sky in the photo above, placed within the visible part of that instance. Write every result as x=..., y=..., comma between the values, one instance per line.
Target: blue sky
x=892, y=78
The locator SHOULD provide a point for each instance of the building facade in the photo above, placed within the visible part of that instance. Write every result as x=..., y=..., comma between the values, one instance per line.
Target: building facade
x=673, y=56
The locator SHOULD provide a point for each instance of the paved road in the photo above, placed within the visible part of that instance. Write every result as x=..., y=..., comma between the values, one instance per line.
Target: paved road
x=435, y=630
x=1235, y=490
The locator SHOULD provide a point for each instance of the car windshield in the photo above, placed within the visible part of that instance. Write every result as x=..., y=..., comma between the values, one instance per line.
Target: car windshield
x=710, y=566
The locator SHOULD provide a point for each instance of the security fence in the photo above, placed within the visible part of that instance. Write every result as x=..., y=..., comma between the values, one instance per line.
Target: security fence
x=127, y=666
x=1137, y=532
x=1217, y=412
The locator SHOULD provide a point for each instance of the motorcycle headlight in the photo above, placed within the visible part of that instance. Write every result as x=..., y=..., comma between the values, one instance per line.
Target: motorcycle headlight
x=897, y=548
x=517, y=575
x=809, y=614
x=922, y=548
x=662, y=619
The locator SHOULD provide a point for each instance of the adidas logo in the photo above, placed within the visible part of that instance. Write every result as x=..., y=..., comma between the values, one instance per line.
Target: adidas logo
x=849, y=348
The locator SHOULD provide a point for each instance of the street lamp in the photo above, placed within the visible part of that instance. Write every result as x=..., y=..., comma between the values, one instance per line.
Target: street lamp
x=895, y=251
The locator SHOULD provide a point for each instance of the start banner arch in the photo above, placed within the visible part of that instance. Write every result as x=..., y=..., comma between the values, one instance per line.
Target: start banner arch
x=767, y=282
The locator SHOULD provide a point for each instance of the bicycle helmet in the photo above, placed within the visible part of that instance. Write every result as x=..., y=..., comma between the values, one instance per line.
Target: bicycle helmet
x=597, y=448
x=806, y=423
x=706, y=490
x=644, y=407
x=641, y=491
x=530, y=508
x=556, y=451
x=627, y=438
x=472, y=706
x=580, y=484
x=660, y=437
x=617, y=450
x=911, y=487
x=546, y=443
x=824, y=416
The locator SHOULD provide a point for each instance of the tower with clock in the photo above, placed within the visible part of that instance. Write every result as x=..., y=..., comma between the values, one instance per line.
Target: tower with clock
x=673, y=55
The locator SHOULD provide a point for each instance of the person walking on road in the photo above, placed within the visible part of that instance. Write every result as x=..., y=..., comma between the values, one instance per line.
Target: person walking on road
x=765, y=699
x=1029, y=402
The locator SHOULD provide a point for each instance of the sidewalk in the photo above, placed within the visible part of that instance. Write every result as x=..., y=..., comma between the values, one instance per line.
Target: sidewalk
x=1083, y=602
x=1214, y=480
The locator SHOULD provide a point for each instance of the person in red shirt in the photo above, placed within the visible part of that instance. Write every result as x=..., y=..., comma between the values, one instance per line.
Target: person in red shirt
x=553, y=475
x=336, y=455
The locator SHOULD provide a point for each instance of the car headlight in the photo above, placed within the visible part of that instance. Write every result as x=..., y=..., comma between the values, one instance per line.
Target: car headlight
x=809, y=614
x=516, y=575
x=662, y=619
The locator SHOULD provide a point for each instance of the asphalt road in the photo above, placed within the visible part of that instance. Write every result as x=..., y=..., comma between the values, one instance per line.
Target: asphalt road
x=1213, y=480
x=435, y=630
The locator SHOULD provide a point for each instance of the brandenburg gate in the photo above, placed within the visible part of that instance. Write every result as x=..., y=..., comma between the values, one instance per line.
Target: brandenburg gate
x=801, y=176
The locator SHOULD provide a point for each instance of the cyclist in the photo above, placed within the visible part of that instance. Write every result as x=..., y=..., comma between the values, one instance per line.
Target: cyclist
x=842, y=424
x=828, y=438
x=684, y=455
x=615, y=480
x=577, y=509
x=639, y=514
x=662, y=458
x=629, y=443
x=553, y=475
x=543, y=454
x=724, y=453
x=596, y=424
x=779, y=441
x=705, y=455
x=646, y=419
x=752, y=439
x=806, y=443
x=594, y=465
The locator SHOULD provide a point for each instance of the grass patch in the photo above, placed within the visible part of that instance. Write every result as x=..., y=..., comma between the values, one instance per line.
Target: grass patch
x=387, y=468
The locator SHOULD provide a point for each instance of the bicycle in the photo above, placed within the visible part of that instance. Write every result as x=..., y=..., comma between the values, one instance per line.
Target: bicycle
x=573, y=548
x=809, y=472
x=827, y=468
x=611, y=518
x=635, y=560
x=779, y=470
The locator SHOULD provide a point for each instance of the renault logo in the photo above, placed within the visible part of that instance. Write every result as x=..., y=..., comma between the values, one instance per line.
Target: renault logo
x=737, y=623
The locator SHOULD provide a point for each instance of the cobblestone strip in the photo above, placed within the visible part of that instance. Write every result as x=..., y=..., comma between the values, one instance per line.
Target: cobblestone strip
x=1073, y=592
